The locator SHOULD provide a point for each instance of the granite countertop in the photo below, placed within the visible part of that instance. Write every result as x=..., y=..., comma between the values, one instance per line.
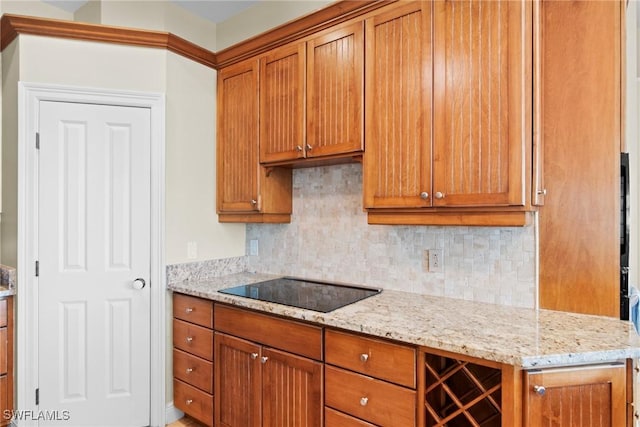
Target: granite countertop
x=525, y=338
x=5, y=291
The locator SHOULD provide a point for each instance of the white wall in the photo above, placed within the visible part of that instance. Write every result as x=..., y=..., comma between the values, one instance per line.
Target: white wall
x=263, y=16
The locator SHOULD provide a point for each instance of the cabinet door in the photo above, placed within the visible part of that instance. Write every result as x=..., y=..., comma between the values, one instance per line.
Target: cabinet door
x=335, y=75
x=238, y=382
x=584, y=396
x=292, y=393
x=481, y=49
x=282, y=131
x=237, y=155
x=397, y=161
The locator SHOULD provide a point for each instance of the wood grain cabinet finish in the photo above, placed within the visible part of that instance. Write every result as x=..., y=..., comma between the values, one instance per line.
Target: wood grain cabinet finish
x=447, y=110
x=335, y=79
x=368, y=380
x=6, y=358
x=246, y=192
x=311, y=97
x=261, y=386
x=282, y=98
x=580, y=127
x=586, y=397
x=193, y=357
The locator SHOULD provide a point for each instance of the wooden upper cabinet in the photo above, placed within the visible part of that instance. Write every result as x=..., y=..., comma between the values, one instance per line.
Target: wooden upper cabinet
x=246, y=192
x=282, y=96
x=238, y=138
x=397, y=161
x=335, y=76
x=481, y=49
x=311, y=97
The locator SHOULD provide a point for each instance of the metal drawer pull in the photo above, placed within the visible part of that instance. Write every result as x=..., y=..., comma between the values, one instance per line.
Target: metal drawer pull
x=439, y=195
x=254, y=356
x=189, y=401
x=189, y=339
x=264, y=359
x=364, y=401
x=539, y=389
x=424, y=195
x=364, y=357
x=298, y=148
x=189, y=370
x=189, y=310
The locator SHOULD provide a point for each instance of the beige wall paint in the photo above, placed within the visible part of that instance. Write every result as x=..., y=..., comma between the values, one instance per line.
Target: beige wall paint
x=33, y=8
x=263, y=16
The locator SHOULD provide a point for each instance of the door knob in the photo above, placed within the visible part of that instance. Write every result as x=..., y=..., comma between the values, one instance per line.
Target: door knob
x=139, y=283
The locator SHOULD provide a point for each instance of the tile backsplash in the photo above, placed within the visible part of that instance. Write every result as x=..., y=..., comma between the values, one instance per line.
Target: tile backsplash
x=329, y=239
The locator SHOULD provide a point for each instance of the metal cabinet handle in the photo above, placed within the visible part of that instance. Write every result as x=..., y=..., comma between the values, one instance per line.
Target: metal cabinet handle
x=298, y=147
x=254, y=356
x=364, y=401
x=189, y=401
x=364, y=357
x=189, y=370
x=189, y=339
x=539, y=390
x=264, y=359
x=309, y=147
x=439, y=195
x=424, y=195
x=188, y=310
x=254, y=202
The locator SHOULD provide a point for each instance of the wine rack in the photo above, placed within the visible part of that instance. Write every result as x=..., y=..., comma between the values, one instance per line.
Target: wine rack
x=461, y=394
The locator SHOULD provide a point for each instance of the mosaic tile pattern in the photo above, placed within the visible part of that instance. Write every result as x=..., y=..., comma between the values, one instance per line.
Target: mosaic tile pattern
x=203, y=270
x=329, y=239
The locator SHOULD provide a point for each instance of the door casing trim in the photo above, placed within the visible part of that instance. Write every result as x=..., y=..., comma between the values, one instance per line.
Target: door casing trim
x=29, y=97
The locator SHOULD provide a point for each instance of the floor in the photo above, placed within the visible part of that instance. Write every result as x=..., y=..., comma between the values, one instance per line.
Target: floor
x=186, y=422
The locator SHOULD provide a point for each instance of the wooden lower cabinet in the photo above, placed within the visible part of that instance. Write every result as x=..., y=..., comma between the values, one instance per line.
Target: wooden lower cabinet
x=6, y=360
x=588, y=396
x=258, y=386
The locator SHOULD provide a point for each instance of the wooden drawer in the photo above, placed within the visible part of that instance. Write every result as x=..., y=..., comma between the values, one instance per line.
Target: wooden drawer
x=372, y=400
x=287, y=335
x=193, y=402
x=193, y=309
x=193, y=339
x=333, y=418
x=3, y=351
x=193, y=370
x=373, y=357
x=3, y=313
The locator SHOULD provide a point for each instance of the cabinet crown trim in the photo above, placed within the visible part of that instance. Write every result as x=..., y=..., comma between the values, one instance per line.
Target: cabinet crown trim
x=13, y=25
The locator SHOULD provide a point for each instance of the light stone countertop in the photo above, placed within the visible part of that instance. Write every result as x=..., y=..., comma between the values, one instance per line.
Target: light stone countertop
x=521, y=337
x=5, y=291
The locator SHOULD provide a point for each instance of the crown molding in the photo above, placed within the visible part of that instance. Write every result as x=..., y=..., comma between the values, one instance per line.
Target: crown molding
x=13, y=25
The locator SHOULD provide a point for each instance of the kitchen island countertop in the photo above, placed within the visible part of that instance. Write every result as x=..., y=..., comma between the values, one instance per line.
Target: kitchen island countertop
x=526, y=338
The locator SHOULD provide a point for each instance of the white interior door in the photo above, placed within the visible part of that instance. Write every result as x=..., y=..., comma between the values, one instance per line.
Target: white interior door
x=93, y=243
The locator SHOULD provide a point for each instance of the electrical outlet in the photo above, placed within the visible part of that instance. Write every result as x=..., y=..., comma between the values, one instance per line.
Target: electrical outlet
x=192, y=250
x=253, y=247
x=436, y=260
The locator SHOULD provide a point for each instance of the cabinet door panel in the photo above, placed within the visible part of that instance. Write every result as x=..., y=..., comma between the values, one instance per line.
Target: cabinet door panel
x=237, y=156
x=292, y=393
x=397, y=161
x=237, y=382
x=585, y=397
x=335, y=68
x=282, y=104
x=479, y=102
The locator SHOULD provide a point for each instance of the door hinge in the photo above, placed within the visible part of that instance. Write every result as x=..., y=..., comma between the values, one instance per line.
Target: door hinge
x=37, y=140
x=37, y=396
x=37, y=268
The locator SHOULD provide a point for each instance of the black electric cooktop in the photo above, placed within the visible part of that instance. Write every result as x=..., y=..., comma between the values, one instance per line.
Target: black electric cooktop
x=301, y=293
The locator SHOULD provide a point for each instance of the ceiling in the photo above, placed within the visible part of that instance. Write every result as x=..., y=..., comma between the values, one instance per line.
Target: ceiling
x=212, y=10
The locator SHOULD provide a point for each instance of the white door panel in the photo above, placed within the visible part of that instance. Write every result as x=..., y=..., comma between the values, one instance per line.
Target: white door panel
x=94, y=241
